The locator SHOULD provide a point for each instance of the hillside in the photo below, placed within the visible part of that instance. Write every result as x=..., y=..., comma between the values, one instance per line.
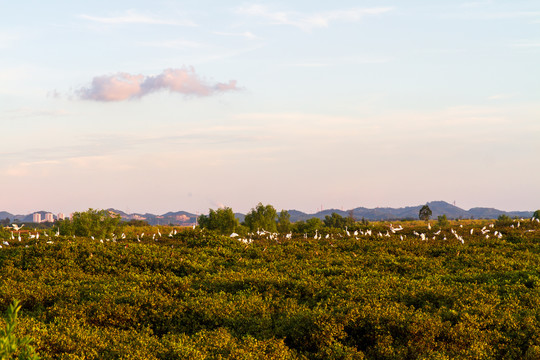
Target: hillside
x=411, y=212
x=381, y=213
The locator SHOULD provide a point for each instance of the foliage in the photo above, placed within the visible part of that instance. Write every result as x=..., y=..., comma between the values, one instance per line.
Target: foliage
x=425, y=213
x=504, y=220
x=98, y=223
x=196, y=294
x=12, y=347
x=220, y=220
x=337, y=221
x=308, y=227
x=536, y=214
x=262, y=217
x=442, y=221
x=284, y=222
x=4, y=233
x=136, y=223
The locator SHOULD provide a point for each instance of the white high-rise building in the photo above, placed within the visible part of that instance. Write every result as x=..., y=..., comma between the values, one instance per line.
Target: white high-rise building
x=36, y=218
x=49, y=217
x=60, y=216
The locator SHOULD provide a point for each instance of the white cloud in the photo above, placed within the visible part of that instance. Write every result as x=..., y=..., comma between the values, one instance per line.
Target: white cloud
x=310, y=21
x=124, y=86
x=133, y=17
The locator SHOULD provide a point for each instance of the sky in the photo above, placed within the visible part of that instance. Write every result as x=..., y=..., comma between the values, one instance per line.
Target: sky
x=162, y=105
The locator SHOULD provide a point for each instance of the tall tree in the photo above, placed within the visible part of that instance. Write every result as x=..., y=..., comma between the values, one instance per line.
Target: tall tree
x=337, y=221
x=221, y=220
x=262, y=217
x=425, y=213
x=92, y=222
x=284, y=221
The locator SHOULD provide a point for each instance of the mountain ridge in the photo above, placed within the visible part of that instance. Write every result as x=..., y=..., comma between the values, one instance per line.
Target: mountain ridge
x=372, y=214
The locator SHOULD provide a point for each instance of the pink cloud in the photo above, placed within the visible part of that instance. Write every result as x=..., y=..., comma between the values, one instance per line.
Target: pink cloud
x=124, y=86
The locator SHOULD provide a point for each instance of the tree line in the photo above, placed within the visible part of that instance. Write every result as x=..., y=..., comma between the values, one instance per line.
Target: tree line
x=266, y=218
x=103, y=223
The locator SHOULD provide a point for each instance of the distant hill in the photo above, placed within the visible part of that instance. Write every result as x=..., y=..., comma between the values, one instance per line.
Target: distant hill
x=438, y=208
x=411, y=212
x=22, y=218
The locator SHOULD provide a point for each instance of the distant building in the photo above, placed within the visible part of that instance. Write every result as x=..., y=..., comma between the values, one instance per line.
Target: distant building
x=36, y=218
x=60, y=216
x=49, y=217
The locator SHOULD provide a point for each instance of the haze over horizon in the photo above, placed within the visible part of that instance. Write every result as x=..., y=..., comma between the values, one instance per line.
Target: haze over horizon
x=164, y=106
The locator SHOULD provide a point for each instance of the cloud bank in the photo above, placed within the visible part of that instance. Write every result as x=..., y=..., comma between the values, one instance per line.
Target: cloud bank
x=124, y=86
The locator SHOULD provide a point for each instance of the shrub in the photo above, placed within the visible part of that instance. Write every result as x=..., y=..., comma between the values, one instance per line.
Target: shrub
x=442, y=221
x=504, y=220
x=10, y=345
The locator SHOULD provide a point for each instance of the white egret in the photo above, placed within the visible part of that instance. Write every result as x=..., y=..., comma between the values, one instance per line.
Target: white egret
x=17, y=227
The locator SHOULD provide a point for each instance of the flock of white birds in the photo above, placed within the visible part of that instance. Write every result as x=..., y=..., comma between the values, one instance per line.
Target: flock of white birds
x=486, y=231
x=359, y=234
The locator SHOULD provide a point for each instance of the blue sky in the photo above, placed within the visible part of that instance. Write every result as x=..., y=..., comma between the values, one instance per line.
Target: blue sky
x=155, y=106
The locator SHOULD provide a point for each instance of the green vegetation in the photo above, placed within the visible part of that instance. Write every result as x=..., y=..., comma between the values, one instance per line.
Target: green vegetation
x=425, y=213
x=504, y=220
x=262, y=217
x=442, y=221
x=284, y=222
x=384, y=292
x=12, y=347
x=98, y=223
x=338, y=222
x=220, y=220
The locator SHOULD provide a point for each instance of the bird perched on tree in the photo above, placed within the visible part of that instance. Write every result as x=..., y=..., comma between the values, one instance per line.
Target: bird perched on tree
x=16, y=227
